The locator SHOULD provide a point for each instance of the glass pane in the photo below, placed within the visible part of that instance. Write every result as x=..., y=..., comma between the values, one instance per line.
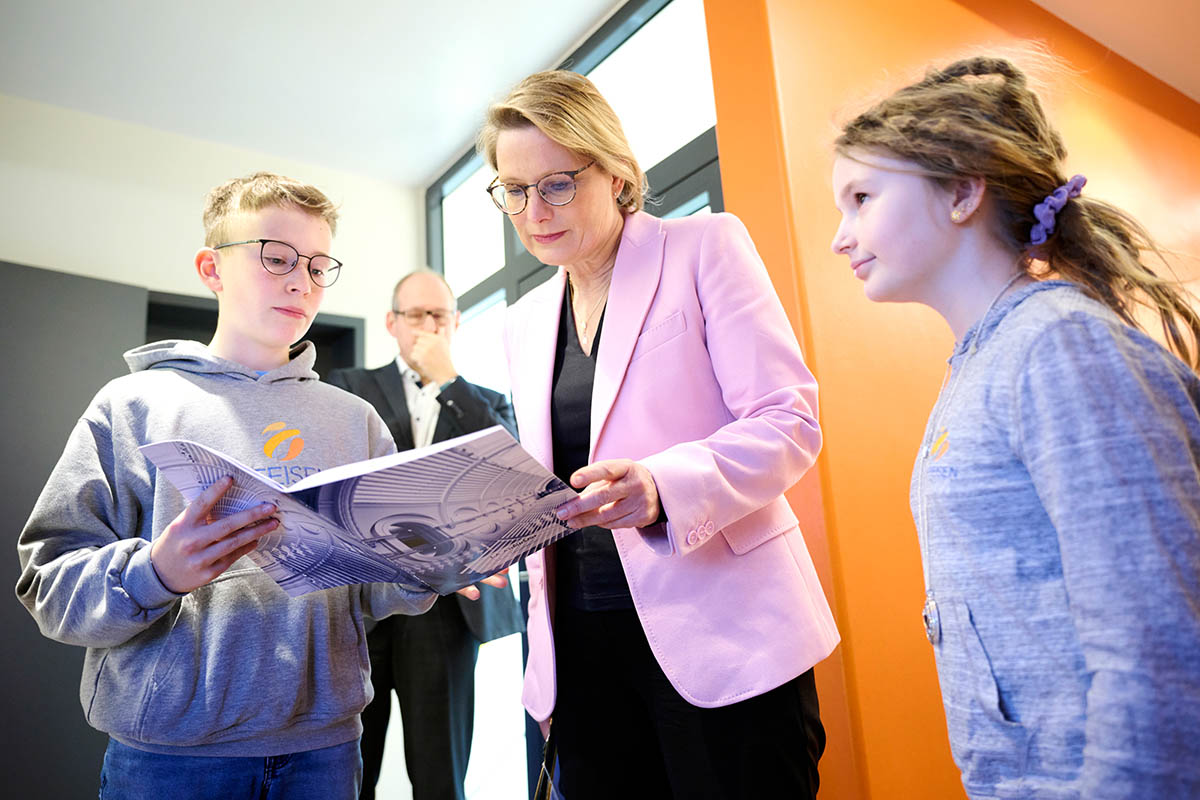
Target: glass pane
x=472, y=233
x=696, y=205
x=479, y=342
x=673, y=48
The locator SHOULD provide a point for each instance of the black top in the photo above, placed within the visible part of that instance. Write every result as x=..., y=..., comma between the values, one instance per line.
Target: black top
x=589, y=575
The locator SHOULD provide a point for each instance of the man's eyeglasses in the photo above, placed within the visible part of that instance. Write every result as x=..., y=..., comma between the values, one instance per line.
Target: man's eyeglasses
x=557, y=189
x=280, y=258
x=416, y=316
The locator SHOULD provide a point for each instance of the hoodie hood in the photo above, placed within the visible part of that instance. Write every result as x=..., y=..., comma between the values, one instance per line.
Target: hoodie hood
x=188, y=356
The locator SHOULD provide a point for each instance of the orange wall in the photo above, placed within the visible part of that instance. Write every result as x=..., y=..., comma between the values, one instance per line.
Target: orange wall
x=784, y=72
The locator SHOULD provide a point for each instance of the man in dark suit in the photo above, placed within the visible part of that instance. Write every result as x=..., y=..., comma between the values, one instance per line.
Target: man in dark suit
x=429, y=660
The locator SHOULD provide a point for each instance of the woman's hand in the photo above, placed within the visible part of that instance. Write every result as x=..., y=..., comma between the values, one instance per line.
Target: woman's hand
x=616, y=493
x=194, y=549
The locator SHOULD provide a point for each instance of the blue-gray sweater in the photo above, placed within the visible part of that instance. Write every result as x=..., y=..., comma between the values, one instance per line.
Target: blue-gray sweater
x=1057, y=499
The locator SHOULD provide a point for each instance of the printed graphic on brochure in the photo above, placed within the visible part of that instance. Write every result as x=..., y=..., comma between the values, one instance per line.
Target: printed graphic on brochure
x=441, y=517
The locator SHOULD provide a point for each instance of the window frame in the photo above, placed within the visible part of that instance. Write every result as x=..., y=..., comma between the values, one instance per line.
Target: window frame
x=689, y=171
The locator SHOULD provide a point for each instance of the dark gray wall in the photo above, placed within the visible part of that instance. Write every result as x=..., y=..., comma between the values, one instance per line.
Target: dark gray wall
x=63, y=337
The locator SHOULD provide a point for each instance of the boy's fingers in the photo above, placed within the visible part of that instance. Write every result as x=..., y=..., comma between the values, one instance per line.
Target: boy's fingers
x=225, y=562
x=222, y=528
x=198, y=509
x=246, y=537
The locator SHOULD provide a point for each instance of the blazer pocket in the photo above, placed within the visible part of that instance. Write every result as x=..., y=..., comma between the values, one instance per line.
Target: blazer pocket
x=659, y=334
x=759, y=526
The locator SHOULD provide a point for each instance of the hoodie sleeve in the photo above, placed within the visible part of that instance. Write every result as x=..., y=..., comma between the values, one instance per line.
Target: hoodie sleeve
x=384, y=599
x=86, y=575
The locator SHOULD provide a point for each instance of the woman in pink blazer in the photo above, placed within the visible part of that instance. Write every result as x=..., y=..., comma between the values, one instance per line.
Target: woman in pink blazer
x=672, y=639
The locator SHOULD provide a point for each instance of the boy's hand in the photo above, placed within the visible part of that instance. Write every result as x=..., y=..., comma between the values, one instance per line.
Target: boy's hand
x=472, y=592
x=193, y=550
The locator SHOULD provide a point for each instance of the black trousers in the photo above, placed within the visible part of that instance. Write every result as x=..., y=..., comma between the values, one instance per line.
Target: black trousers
x=623, y=731
x=429, y=662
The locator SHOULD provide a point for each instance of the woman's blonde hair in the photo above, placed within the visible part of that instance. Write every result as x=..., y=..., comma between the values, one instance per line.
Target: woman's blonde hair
x=569, y=109
x=978, y=117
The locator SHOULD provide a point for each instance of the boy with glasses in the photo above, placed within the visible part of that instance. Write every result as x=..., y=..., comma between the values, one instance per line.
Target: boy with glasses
x=209, y=680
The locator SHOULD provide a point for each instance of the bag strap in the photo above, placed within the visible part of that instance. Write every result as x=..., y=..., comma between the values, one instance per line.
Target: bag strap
x=545, y=784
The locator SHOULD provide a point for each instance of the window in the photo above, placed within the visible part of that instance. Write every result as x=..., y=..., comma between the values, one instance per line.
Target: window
x=661, y=118
x=672, y=133
x=479, y=342
x=473, y=242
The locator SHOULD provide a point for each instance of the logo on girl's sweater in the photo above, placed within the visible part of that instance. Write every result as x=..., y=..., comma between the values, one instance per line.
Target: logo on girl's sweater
x=937, y=449
x=273, y=446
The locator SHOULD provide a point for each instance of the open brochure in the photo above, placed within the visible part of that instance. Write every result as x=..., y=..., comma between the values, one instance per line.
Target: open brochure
x=442, y=517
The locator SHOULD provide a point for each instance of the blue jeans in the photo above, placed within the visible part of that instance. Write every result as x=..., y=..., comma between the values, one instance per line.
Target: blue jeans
x=331, y=773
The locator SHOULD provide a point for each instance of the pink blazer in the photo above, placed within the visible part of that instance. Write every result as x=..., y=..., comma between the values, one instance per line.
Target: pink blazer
x=700, y=378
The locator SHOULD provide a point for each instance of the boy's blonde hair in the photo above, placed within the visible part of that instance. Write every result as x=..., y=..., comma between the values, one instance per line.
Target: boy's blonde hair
x=569, y=109
x=256, y=192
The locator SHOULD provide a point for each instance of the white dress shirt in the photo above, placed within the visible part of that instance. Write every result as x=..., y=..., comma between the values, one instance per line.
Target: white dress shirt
x=423, y=405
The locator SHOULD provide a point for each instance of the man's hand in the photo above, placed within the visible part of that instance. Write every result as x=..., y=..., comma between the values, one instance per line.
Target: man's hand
x=193, y=549
x=500, y=579
x=430, y=357
x=617, y=493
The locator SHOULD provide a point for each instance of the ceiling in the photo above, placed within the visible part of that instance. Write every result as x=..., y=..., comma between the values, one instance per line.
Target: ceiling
x=1158, y=35
x=392, y=89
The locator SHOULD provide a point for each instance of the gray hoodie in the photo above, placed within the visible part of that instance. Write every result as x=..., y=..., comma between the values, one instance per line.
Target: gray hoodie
x=235, y=667
x=1057, y=499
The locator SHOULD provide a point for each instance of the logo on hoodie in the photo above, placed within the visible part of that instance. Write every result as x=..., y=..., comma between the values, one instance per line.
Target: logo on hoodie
x=273, y=445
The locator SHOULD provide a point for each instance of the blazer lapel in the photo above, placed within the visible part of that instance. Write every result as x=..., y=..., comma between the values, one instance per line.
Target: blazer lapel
x=634, y=282
x=391, y=386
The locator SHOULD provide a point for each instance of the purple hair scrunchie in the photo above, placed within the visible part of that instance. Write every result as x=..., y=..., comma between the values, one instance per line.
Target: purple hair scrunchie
x=1045, y=211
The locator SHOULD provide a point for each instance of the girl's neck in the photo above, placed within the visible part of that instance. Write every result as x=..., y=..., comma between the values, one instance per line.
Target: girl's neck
x=978, y=278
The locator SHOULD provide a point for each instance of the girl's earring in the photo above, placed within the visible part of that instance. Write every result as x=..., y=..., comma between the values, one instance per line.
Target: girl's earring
x=957, y=215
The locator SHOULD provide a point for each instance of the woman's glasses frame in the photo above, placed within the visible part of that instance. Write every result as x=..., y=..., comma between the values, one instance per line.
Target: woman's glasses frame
x=501, y=193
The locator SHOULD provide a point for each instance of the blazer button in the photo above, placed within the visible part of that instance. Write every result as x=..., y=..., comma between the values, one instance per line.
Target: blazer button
x=692, y=538
x=709, y=528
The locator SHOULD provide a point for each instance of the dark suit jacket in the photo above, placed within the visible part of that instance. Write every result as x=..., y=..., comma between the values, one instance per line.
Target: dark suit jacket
x=466, y=408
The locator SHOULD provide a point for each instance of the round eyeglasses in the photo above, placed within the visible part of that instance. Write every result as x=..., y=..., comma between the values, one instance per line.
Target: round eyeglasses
x=415, y=317
x=557, y=189
x=280, y=258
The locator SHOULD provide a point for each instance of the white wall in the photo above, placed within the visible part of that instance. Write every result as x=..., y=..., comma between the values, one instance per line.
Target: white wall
x=122, y=202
